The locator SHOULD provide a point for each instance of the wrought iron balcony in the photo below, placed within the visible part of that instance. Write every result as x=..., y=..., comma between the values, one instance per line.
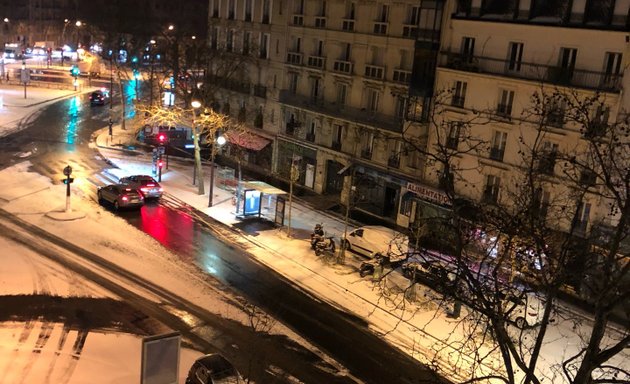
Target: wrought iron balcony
x=373, y=71
x=316, y=61
x=343, y=112
x=402, y=76
x=529, y=71
x=343, y=67
x=497, y=153
x=348, y=25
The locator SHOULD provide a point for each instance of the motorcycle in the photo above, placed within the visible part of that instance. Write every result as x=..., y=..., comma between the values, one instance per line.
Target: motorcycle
x=326, y=246
x=317, y=236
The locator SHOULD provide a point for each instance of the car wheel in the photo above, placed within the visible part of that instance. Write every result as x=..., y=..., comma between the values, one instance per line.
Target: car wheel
x=116, y=205
x=521, y=323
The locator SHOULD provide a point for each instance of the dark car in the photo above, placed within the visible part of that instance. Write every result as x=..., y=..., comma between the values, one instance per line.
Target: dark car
x=433, y=274
x=121, y=196
x=98, y=97
x=213, y=369
x=146, y=184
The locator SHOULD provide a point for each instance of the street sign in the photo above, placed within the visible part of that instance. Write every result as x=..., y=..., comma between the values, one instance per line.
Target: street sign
x=25, y=75
x=67, y=171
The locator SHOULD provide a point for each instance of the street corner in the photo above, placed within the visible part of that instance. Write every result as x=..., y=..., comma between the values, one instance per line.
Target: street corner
x=63, y=215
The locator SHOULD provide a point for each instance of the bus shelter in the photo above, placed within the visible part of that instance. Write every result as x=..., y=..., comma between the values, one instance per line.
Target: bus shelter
x=259, y=199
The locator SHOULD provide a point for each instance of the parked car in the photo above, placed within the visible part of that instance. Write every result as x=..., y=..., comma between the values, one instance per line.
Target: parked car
x=99, y=97
x=433, y=274
x=146, y=184
x=213, y=369
x=120, y=195
x=373, y=240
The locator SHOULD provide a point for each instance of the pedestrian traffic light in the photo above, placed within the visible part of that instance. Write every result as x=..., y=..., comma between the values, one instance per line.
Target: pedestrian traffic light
x=74, y=71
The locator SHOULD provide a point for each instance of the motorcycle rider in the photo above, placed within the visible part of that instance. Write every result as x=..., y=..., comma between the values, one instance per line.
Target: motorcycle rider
x=317, y=235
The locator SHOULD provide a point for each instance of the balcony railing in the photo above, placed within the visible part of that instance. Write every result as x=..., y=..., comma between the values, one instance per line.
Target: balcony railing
x=497, y=153
x=537, y=72
x=402, y=76
x=298, y=19
x=348, y=25
x=394, y=161
x=374, y=71
x=294, y=58
x=320, y=22
x=342, y=112
x=410, y=31
x=260, y=91
x=504, y=110
x=380, y=28
x=490, y=195
x=458, y=101
x=316, y=61
x=343, y=67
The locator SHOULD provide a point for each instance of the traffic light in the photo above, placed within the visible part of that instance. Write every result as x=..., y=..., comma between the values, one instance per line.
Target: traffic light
x=74, y=71
x=160, y=164
x=162, y=138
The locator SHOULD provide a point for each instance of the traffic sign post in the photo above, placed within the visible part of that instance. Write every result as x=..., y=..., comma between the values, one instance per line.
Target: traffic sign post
x=67, y=171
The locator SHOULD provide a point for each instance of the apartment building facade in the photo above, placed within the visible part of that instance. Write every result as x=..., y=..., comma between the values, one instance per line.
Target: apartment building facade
x=332, y=88
x=494, y=57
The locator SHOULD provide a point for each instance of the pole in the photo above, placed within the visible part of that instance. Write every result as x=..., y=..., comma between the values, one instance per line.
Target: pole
x=342, y=253
x=160, y=168
x=68, y=193
x=211, y=174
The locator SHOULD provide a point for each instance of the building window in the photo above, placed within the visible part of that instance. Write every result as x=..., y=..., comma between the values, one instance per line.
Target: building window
x=368, y=145
x=491, y=190
x=342, y=92
x=582, y=216
x=215, y=8
x=315, y=88
x=588, y=178
x=566, y=64
x=468, y=49
x=554, y=113
x=515, y=56
x=599, y=11
x=372, y=100
x=249, y=10
x=229, y=40
x=459, y=94
x=293, y=83
x=598, y=125
x=401, y=106
x=247, y=36
x=231, y=11
x=337, y=136
x=214, y=40
x=547, y=158
x=264, y=46
x=266, y=11
x=612, y=70
x=454, y=132
x=383, y=14
x=540, y=203
x=497, y=150
x=394, y=154
x=506, y=99
x=412, y=158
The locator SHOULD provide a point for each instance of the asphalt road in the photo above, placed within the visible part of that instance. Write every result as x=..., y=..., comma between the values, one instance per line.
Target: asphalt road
x=60, y=135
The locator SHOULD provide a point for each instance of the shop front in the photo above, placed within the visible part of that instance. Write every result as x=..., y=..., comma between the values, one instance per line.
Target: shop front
x=303, y=157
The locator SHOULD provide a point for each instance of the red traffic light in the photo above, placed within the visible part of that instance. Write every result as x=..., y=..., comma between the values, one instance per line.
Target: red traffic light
x=162, y=138
x=160, y=163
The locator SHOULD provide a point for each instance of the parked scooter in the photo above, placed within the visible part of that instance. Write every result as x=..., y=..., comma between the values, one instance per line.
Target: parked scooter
x=317, y=236
x=326, y=247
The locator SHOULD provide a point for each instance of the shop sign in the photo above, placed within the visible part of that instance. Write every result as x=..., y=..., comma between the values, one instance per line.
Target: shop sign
x=428, y=194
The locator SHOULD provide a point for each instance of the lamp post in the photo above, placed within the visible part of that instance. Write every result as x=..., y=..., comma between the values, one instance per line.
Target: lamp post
x=63, y=41
x=151, y=56
x=196, y=105
x=78, y=24
x=218, y=141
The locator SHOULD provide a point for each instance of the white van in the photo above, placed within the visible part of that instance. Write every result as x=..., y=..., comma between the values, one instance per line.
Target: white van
x=375, y=239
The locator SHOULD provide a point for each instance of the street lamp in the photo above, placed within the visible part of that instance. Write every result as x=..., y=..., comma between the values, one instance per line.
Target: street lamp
x=218, y=141
x=63, y=41
x=197, y=169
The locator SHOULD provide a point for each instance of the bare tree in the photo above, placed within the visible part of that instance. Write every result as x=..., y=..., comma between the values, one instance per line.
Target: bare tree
x=528, y=245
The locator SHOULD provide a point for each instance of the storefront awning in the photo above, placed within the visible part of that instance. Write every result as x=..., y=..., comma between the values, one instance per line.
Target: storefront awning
x=263, y=187
x=247, y=140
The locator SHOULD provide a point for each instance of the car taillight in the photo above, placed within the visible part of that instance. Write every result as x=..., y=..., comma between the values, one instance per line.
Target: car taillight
x=144, y=189
x=125, y=198
x=150, y=185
